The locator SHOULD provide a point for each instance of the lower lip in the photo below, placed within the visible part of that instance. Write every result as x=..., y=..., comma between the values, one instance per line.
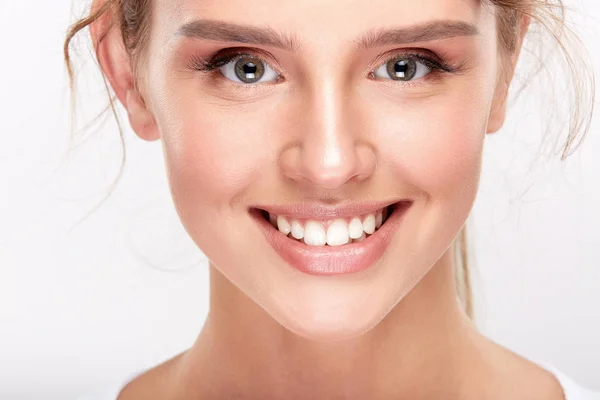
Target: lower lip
x=333, y=260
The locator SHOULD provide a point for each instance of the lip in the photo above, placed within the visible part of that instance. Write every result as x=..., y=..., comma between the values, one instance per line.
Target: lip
x=320, y=212
x=333, y=260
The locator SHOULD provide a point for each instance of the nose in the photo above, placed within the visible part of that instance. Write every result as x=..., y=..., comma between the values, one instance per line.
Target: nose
x=330, y=146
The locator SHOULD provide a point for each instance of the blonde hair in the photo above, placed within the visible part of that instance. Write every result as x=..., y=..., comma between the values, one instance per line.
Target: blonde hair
x=133, y=20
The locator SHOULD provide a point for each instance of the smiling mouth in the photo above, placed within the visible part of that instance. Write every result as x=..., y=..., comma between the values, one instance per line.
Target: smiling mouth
x=330, y=246
x=331, y=232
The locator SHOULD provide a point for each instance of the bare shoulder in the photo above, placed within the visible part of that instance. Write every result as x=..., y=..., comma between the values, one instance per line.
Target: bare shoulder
x=539, y=383
x=520, y=378
x=153, y=383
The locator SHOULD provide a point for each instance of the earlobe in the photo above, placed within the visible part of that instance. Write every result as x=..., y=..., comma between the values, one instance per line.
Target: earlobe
x=116, y=65
x=140, y=119
x=498, y=108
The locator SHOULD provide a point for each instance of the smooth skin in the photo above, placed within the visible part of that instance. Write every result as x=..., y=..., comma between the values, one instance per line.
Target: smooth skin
x=329, y=128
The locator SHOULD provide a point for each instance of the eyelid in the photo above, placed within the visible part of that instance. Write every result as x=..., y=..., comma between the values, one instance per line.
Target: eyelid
x=429, y=59
x=225, y=56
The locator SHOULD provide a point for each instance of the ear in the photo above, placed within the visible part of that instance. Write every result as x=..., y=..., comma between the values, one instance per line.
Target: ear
x=116, y=65
x=505, y=76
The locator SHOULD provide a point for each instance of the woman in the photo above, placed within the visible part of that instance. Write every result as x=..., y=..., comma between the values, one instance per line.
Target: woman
x=325, y=156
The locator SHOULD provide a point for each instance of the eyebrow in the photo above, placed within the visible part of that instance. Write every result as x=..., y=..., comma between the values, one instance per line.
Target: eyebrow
x=229, y=32
x=434, y=30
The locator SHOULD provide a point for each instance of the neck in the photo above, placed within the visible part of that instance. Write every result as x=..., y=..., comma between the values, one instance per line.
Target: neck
x=417, y=351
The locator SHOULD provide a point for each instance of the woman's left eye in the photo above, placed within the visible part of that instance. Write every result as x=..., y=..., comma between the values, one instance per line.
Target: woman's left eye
x=403, y=68
x=248, y=69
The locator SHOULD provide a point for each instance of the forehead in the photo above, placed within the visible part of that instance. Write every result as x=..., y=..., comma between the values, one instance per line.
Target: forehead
x=318, y=21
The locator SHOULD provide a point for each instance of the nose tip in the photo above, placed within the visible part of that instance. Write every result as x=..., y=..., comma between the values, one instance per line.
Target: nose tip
x=330, y=165
x=328, y=148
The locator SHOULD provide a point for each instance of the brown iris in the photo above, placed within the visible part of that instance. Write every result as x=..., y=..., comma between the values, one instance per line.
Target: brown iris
x=402, y=69
x=249, y=69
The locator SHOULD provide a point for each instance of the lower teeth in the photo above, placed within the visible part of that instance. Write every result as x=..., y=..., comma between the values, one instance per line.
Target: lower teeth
x=289, y=235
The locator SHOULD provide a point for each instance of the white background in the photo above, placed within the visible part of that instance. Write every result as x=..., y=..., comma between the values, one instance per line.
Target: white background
x=127, y=289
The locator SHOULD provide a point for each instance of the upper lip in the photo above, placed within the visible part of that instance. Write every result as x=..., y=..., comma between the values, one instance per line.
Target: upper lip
x=322, y=211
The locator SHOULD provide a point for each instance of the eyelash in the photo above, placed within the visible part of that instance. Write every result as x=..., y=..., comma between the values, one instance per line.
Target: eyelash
x=437, y=65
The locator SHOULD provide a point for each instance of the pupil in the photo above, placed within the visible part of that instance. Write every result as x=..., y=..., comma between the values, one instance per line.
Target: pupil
x=250, y=68
x=402, y=69
x=401, y=66
x=249, y=71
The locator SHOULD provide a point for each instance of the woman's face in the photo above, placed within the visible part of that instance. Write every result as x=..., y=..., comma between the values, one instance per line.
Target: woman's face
x=325, y=108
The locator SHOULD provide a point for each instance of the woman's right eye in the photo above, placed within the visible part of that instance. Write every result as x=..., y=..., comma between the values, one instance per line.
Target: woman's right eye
x=247, y=69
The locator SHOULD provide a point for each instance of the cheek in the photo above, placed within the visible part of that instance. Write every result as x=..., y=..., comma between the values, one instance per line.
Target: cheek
x=434, y=151
x=212, y=157
x=437, y=146
x=447, y=159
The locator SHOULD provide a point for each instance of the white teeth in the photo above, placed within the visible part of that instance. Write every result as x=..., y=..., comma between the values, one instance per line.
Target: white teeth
x=369, y=224
x=297, y=229
x=333, y=233
x=337, y=233
x=355, y=229
x=314, y=234
x=283, y=225
x=378, y=219
x=362, y=237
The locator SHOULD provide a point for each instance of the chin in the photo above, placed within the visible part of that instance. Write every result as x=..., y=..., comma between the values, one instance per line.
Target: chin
x=328, y=329
x=329, y=317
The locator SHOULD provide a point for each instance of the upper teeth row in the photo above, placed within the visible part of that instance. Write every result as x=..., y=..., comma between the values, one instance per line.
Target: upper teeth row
x=334, y=232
